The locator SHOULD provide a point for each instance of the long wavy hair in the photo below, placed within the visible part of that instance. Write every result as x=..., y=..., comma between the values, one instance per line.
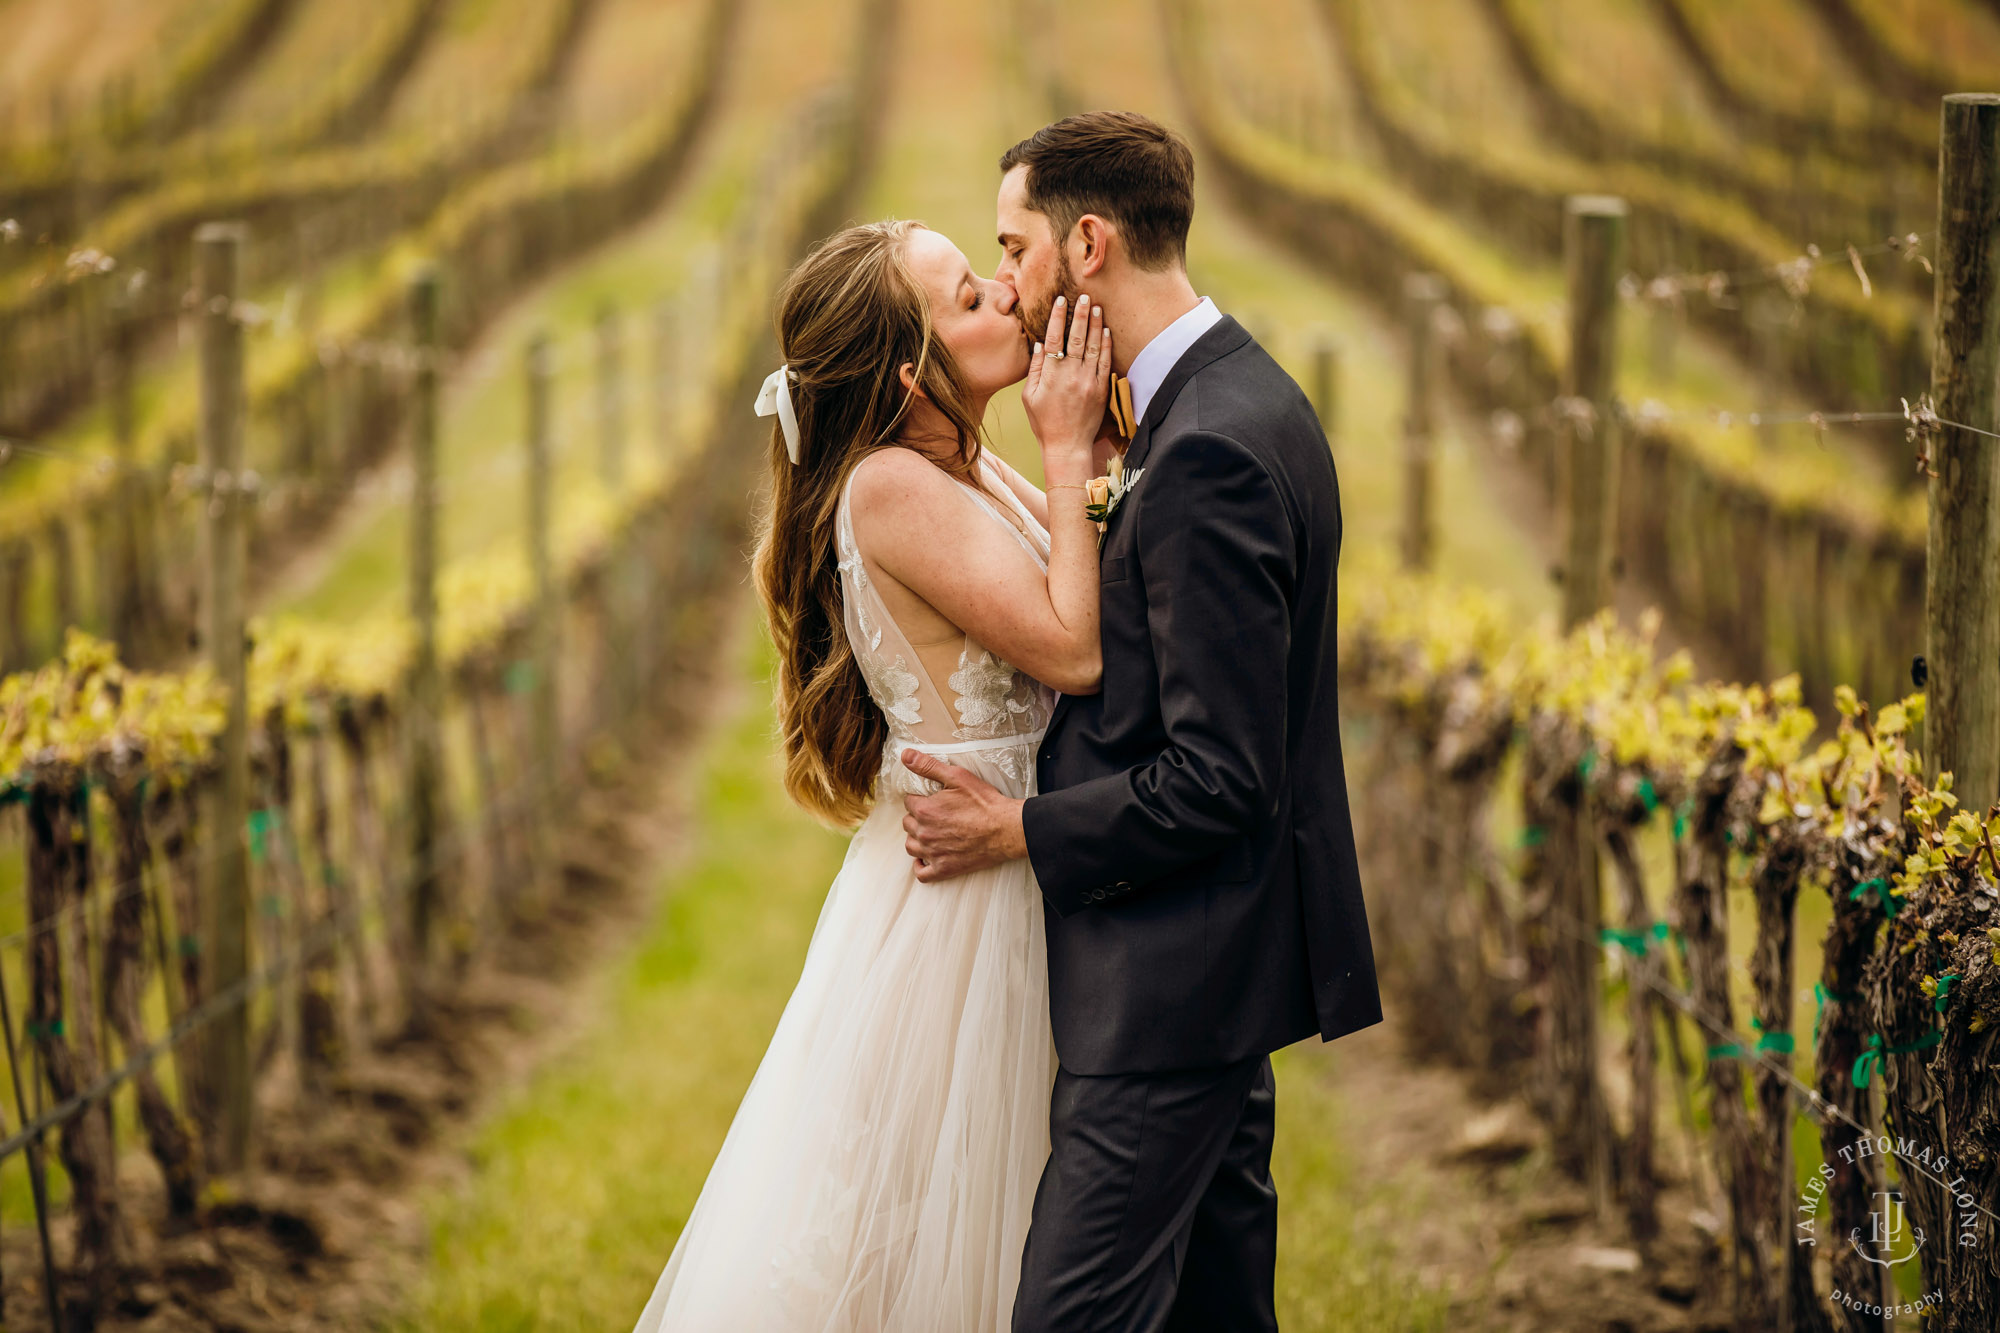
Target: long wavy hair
x=849, y=316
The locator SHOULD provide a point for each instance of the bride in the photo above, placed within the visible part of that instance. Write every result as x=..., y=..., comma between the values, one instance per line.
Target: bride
x=880, y=1172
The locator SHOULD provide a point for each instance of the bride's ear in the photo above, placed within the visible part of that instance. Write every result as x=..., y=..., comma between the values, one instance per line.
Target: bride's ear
x=907, y=373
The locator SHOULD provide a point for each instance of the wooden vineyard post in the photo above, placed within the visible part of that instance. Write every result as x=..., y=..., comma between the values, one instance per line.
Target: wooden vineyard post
x=544, y=728
x=226, y=1044
x=62, y=577
x=618, y=574
x=120, y=591
x=1326, y=385
x=1423, y=293
x=1640, y=1181
x=1594, y=245
x=1594, y=253
x=1962, y=586
x=1753, y=527
x=17, y=562
x=423, y=757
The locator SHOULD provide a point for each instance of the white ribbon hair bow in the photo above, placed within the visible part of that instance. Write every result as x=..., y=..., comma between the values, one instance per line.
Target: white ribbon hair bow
x=776, y=396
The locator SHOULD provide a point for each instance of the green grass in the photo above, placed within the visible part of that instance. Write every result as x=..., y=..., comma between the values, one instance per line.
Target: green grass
x=1335, y=1269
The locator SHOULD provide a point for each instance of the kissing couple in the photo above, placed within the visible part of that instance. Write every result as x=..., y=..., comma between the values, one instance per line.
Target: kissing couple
x=1087, y=736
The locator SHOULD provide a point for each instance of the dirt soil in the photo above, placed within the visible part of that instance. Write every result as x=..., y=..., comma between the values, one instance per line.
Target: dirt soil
x=1464, y=1192
x=326, y=1232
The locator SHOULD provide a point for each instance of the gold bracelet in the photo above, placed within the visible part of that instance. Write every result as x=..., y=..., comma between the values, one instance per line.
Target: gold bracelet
x=1077, y=484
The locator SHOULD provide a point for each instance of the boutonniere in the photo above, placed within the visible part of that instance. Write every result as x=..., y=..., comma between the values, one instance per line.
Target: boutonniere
x=1102, y=494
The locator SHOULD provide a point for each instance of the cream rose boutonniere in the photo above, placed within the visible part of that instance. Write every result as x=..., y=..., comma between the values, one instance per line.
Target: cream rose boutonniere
x=1102, y=494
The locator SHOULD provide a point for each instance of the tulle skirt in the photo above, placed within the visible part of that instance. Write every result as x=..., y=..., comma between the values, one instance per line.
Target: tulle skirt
x=879, y=1174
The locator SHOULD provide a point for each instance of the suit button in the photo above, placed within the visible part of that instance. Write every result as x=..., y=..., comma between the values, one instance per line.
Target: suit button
x=1097, y=895
x=1124, y=887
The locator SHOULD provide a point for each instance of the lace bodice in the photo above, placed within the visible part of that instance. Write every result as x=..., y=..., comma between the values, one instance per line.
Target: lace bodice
x=985, y=699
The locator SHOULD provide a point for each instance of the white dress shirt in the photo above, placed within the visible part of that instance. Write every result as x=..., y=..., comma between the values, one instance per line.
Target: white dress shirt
x=1156, y=358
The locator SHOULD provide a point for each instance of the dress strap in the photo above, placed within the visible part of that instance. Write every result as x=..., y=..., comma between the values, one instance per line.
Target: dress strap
x=1023, y=531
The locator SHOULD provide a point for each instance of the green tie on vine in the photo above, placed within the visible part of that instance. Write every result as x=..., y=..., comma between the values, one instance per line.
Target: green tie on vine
x=1777, y=1041
x=260, y=824
x=1634, y=941
x=1878, y=887
x=520, y=676
x=1876, y=1050
x=1872, y=1057
x=1820, y=996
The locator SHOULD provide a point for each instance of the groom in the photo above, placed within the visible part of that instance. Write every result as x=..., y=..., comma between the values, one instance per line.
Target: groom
x=1191, y=837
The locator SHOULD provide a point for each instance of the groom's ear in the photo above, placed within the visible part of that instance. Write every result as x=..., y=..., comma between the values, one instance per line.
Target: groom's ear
x=1091, y=240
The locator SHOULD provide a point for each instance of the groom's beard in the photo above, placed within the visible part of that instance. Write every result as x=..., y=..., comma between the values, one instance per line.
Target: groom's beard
x=1036, y=321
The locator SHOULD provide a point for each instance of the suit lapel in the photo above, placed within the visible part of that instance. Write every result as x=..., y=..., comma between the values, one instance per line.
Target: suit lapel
x=1225, y=337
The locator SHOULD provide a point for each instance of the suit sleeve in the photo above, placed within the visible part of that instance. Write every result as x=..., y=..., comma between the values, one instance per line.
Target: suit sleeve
x=1214, y=548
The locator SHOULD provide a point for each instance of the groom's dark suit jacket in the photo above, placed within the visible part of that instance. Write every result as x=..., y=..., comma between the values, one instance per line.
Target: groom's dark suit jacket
x=1192, y=837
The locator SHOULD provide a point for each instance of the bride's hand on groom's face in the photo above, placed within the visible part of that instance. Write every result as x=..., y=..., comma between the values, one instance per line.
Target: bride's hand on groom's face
x=966, y=825
x=1069, y=380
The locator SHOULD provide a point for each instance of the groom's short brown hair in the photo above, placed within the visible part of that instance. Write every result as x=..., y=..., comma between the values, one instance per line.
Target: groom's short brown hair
x=1119, y=165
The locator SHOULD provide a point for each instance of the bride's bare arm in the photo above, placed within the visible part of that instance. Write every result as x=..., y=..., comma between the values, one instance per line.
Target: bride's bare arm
x=926, y=533
x=1024, y=490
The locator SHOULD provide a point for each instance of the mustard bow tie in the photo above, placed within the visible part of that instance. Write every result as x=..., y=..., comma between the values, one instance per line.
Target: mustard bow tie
x=1121, y=405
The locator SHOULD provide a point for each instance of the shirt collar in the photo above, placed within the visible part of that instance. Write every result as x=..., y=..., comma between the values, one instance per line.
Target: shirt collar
x=1156, y=358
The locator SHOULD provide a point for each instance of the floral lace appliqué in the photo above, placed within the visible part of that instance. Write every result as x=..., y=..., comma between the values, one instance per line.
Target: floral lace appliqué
x=990, y=695
x=857, y=574
x=899, y=684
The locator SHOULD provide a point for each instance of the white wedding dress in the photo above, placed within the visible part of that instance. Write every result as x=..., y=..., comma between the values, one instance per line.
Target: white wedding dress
x=880, y=1171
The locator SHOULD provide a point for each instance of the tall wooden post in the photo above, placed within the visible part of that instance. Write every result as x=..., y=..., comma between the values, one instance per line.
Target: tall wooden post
x=1594, y=248
x=218, y=262
x=17, y=565
x=1423, y=294
x=1594, y=253
x=544, y=729
x=57, y=537
x=1962, y=586
x=423, y=758
x=617, y=574
x=610, y=398
x=119, y=591
x=1326, y=385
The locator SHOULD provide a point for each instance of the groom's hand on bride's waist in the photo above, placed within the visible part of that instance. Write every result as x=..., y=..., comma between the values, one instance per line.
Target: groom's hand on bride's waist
x=966, y=825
